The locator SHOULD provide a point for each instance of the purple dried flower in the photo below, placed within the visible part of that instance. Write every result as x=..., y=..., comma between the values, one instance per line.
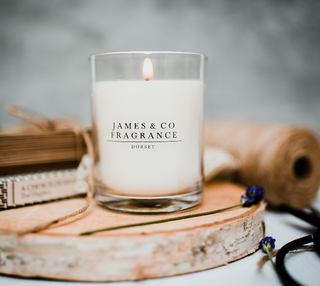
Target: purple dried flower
x=267, y=243
x=253, y=196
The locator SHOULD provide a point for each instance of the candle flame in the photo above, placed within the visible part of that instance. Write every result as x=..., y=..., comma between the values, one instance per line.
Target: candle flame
x=147, y=69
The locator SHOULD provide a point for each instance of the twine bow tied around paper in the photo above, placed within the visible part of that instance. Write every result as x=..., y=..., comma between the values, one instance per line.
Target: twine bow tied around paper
x=43, y=124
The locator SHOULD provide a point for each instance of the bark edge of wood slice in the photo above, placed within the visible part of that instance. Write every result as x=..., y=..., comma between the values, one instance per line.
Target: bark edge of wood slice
x=143, y=252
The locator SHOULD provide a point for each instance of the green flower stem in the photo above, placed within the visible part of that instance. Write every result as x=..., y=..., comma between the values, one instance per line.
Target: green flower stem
x=271, y=260
x=273, y=265
x=160, y=221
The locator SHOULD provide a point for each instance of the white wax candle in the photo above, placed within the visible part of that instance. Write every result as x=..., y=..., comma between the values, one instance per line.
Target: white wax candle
x=149, y=135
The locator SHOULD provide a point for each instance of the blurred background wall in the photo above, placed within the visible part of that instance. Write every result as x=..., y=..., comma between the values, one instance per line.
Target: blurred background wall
x=264, y=56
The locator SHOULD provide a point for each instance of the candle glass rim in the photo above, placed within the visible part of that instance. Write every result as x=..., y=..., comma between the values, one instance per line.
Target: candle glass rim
x=146, y=53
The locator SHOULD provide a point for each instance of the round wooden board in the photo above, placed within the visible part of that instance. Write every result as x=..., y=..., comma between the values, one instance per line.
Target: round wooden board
x=151, y=251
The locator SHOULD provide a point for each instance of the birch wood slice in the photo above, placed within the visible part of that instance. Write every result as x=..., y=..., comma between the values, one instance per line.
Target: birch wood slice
x=151, y=251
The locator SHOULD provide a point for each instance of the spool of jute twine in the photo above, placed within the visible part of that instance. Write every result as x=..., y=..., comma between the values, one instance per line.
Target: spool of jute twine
x=284, y=160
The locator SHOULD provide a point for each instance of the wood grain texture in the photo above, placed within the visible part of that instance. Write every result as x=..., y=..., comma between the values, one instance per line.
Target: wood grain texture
x=161, y=250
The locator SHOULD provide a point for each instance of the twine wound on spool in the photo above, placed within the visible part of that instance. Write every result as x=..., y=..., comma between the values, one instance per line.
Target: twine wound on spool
x=44, y=124
x=284, y=160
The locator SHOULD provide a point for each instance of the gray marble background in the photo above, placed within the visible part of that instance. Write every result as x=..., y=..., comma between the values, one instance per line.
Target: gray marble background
x=264, y=56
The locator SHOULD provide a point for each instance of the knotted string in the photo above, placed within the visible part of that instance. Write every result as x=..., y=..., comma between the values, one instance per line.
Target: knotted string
x=43, y=124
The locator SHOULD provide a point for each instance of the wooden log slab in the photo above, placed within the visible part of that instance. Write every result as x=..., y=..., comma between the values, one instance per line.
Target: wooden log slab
x=142, y=252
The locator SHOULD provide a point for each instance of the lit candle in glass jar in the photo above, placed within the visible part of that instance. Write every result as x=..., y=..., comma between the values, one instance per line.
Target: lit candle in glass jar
x=148, y=135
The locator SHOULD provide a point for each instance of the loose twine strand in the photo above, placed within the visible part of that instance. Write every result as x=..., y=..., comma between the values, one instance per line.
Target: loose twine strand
x=44, y=124
x=274, y=253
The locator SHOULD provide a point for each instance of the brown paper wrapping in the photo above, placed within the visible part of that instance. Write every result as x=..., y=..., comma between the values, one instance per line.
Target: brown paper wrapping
x=284, y=160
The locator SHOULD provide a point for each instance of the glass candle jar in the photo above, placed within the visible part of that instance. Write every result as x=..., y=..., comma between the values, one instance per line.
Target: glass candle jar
x=147, y=110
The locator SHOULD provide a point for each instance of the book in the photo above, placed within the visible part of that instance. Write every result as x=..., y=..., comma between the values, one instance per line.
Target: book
x=24, y=189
